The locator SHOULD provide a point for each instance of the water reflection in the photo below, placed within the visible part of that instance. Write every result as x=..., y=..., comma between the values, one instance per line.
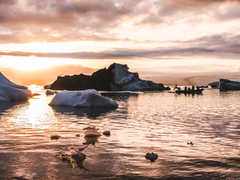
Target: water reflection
x=33, y=114
x=89, y=112
x=148, y=122
x=121, y=96
x=4, y=107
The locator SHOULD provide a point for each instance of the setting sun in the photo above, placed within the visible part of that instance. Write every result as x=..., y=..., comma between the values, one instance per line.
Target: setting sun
x=119, y=89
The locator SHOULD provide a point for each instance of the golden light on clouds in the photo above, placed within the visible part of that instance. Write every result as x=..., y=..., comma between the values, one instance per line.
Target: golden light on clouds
x=150, y=36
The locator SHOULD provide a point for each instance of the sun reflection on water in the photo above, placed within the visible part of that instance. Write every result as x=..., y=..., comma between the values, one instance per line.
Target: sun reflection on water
x=151, y=122
x=36, y=112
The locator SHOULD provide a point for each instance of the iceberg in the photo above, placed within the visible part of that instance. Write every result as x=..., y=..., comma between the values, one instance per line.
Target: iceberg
x=226, y=85
x=116, y=77
x=86, y=99
x=11, y=92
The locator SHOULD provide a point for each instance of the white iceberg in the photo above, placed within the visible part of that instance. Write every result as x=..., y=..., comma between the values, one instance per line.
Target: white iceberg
x=11, y=92
x=87, y=99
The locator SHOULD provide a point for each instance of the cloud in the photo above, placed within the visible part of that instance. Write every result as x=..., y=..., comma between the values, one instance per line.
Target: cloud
x=78, y=20
x=221, y=46
x=61, y=21
x=173, y=11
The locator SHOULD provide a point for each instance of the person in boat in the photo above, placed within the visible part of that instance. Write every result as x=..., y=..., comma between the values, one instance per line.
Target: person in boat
x=185, y=89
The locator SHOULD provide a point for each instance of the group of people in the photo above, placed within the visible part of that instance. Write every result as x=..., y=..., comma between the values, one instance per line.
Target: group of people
x=188, y=89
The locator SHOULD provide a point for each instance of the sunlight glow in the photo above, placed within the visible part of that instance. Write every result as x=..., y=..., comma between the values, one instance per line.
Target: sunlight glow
x=30, y=64
x=25, y=63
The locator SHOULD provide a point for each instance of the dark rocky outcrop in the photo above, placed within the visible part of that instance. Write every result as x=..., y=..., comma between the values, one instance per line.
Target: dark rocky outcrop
x=226, y=85
x=214, y=85
x=114, y=78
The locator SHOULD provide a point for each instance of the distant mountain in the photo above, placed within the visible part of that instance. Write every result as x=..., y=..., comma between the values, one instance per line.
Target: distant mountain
x=190, y=78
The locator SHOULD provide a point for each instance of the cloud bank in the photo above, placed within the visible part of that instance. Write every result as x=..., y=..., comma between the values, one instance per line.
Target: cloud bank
x=182, y=23
x=219, y=46
x=76, y=20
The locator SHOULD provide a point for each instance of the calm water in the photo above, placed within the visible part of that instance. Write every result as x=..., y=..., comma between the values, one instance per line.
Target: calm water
x=149, y=122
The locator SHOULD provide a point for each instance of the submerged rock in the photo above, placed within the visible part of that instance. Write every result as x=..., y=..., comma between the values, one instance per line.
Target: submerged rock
x=90, y=140
x=55, y=137
x=114, y=78
x=11, y=92
x=106, y=133
x=226, y=85
x=190, y=143
x=76, y=159
x=91, y=135
x=87, y=99
x=91, y=132
x=151, y=156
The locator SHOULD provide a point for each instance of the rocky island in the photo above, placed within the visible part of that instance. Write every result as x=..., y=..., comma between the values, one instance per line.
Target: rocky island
x=114, y=78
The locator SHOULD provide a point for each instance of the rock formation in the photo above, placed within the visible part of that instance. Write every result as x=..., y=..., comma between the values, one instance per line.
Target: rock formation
x=11, y=92
x=214, y=85
x=86, y=99
x=226, y=85
x=114, y=78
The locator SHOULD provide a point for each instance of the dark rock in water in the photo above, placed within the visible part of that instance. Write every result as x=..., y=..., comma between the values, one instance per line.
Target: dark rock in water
x=76, y=159
x=55, y=137
x=91, y=135
x=63, y=156
x=114, y=78
x=226, y=85
x=90, y=140
x=190, y=143
x=106, y=133
x=90, y=128
x=151, y=156
x=214, y=84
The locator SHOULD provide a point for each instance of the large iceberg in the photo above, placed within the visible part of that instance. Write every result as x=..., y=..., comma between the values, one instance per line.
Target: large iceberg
x=116, y=77
x=87, y=99
x=226, y=85
x=11, y=92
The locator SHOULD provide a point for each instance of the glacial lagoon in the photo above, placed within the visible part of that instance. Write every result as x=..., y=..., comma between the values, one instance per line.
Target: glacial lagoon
x=157, y=122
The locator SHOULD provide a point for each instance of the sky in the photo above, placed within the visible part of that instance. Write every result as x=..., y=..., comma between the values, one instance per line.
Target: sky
x=153, y=37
